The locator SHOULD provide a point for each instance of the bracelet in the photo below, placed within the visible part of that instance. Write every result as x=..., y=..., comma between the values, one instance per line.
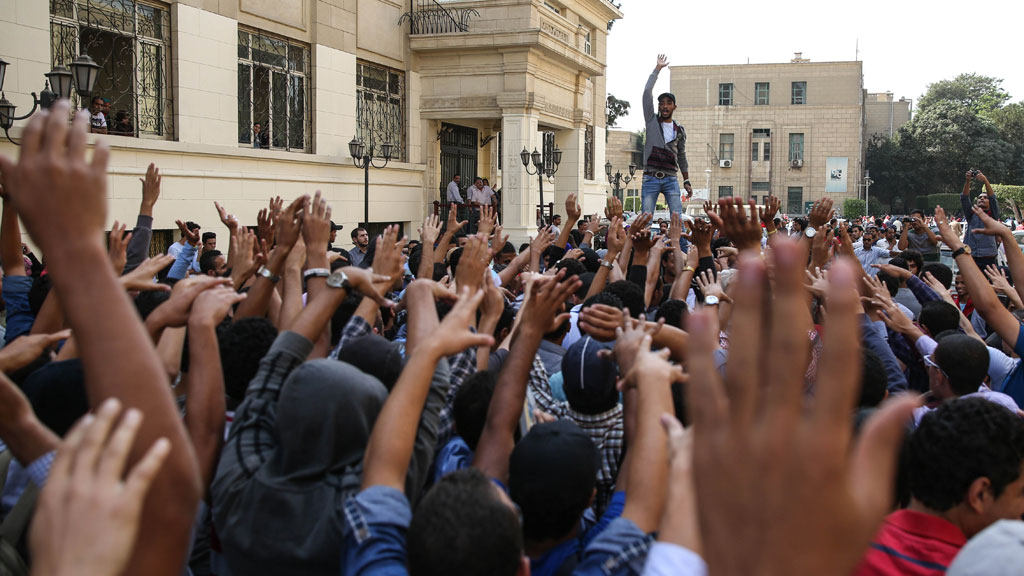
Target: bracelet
x=607, y=264
x=686, y=181
x=772, y=232
x=688, y=269
x=317, y=272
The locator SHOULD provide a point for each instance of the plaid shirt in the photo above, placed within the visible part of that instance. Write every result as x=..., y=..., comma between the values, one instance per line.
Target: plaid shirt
x=605, y=429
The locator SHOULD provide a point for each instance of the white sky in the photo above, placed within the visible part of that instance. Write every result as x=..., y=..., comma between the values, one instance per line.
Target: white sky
x=904, y=45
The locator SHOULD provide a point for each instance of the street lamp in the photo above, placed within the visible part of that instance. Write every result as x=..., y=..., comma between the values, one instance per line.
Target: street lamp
x=363, y=158
x=542, y=168
x=82, y=75
x=618, y=181
x=867, y=191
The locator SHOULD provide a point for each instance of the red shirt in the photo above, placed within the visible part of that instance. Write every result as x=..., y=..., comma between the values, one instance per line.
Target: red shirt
x=912, y=544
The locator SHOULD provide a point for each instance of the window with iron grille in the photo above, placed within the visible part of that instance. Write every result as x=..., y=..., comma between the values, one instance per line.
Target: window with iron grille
x=754, y=156
x=380, y=107
x=760, y=187
x=131, y=41
x=725, y=146
x=588, y=153
x=587, y=44
x=273, y=92
x=549, y=151
x=761, y=93
x=725, y=94
x=796, y=147
x=725, y=191
x=767, y=151
x=799, y=92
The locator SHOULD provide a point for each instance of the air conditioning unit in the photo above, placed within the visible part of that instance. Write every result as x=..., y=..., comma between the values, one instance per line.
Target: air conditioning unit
x=725, y=163
x=797, y=163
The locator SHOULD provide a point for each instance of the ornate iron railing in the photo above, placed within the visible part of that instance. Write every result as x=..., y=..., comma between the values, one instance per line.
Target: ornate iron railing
x=430, y=17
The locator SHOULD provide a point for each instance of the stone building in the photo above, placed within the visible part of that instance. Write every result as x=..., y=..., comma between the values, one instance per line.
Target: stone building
x=884, y=115
x=453, y=86
x=794, y=130
x=622, y=149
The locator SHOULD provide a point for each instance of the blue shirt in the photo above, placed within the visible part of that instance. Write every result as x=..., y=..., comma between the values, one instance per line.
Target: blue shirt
x=19, y=312
x=869, y=256
x=455, y=455
x=1014, y=383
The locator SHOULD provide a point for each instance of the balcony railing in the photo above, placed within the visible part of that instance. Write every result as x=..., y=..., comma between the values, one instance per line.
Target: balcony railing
x=431, y=17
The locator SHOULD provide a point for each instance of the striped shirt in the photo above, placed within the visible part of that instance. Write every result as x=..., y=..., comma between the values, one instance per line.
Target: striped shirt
x=912, y=544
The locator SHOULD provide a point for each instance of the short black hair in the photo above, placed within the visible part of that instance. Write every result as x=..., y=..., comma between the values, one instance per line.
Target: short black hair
x=471, y=404
x=873, y=380
x=892, y=283
x=146, y=302
x=964, y=360
x=453, y=261
x=900, y=262
x=508, y=248
x=962, y=440
x=208, y=261
x=462, y=526
x=911, y=255
x=856, y=226
x=243, y=343
x=591, y=260
x=415, y=257
x=343, y=314
x=208, y=235
x=571, y=266
x=631, y=295
x=674, y=312
x=917, y=211
x=939, y=316
x=357, y=231
x=192, y=225
x=551, y=255
x=941, y=272
x=604, y=297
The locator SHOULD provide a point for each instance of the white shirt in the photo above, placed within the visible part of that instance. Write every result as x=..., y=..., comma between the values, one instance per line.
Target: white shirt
x=453, y=193
x=477, y=195
x=99, y=120
x=668, y=130
x=667, y=559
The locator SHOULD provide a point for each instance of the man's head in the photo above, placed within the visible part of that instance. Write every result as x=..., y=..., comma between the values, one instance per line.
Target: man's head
x=471, y=403
x=874, y=382
x=556, y=219
x=589, y=377
x=957, y=367
x=965, y=462
x=666, y=106
x=915, y=261
x=97, y=105
x=938, y=316
x=457, y=178
x=981, y=202
x=917, y=220
x=257, y=127
x=479, y=183
x=890, y=235
x=243, y=343
x=213, y=263
x=941, y=272
x=631, y=296
x=465, y=524
x=870, y=235
x=334, y=231
x=856, y=231
x=674, y=312
x=507, y=254
x=552, y=477
x=360, y=238
x=961, y=287
x=209, y=241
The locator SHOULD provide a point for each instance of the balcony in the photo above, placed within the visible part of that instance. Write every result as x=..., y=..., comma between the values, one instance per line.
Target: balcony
x=433, y=17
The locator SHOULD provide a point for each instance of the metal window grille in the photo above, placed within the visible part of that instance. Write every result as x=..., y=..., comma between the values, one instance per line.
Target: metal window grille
x=754, y=155
x=273, y=91
x=799, y=92
x=796, y=147
x=549, y=149
x=761, y=93
x=380, y=107
x=131, y=41
x=588, y=153
x=767, y=151
x=725, y=146
x=725, y=94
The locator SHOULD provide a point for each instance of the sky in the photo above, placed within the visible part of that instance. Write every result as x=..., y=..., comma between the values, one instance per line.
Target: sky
x=904, y=45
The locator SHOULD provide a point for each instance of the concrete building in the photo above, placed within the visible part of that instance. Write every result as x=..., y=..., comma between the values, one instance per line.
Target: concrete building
x=794, y=130
x=454, y=87
x=884, y=115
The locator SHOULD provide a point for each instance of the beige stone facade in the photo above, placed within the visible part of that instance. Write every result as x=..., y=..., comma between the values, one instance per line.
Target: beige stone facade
x=810, y=115
x=523, y=68
x=884, y=115
x=625, y=148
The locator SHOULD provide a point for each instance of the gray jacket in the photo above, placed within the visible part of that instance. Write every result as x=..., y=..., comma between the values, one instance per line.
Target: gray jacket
x=655, y=137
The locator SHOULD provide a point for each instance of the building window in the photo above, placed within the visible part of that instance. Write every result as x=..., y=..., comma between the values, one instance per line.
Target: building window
x=725, y=191
x=380, y=107
x=588, y=153
x=795, y=200
x=725, y=94
x=767, y=151
x=762, y=133
x=725, y=146
x=637, y=158
x=554, y=9
x=796, y=147
x=761, y=93
x=549, y=150
x=273, y=92
x=799, y=92
x=587, y=48
x=131, y=41
x=763, y=187
x=754, y=152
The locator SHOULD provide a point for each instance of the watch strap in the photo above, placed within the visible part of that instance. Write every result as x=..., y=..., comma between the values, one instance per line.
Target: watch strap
x=266, y=273
x=316, y=272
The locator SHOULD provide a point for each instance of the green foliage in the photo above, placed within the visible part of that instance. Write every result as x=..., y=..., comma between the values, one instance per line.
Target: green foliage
x=949, y=202
x=853, y=208
x=615, y=109
x=1009, y=121
x=979, y=94
x=1009, y=196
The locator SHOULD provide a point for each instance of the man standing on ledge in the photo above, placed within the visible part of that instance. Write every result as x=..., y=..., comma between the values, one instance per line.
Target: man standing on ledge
x=664, y=149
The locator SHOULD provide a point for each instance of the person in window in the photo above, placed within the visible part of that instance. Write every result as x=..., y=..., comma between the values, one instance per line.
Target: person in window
x=99, y=117
x=260, y=137
x=122, y=125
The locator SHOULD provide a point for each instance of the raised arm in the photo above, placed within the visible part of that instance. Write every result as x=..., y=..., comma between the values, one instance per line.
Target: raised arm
x=138, y=247
x=616, y=241
x=572, y=215
x=289, y=225
x=59, y=196
x=496, y=441
x=648, y=97
x=1014, y=258
x=428, y=237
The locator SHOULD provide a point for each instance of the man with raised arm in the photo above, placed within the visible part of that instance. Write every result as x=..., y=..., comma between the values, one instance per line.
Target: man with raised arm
x=664, y=149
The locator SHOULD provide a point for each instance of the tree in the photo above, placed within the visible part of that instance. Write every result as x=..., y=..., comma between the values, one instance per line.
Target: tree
x=615, y=109
x=1009, y=121
x=980, y=94
x=853, y=208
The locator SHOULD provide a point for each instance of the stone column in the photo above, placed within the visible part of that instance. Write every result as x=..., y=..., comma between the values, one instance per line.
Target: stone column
x=519, y=193
x=569, y=178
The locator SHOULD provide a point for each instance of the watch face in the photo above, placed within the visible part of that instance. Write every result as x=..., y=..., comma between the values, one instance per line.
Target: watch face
x=810, y=232
x=337, y=280
x=711, y=300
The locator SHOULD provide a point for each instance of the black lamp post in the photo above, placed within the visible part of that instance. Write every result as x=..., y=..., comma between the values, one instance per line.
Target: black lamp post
x=618, y=181
x=363, y=158
x=82, y=75
x=542, y=167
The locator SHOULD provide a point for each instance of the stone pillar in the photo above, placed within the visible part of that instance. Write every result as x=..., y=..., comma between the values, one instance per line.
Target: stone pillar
x=518, y=189
x=206, y=61
x=569, y=178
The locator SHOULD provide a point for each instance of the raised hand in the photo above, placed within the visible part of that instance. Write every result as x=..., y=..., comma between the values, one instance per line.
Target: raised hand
x=454, y=225
x=88, y=515
x=616, y=239
x=150, y=189
x=992, y=227
x=675, y=229
x=998, y=279
x=212, y=306
x=388, y=260
x=894, y=271
x=733, y=221
x=226, y=219
x=456, y=325
x=628, y=336
x=192, y=236
x=289, y=222
x=176, y=310
x=316, y=225
x=472, y=263
x=711, y=285
x=601, y=321
x=613, y=208
x=141, y=279
x=265, y=226
x=246, y=258
x=767, y=214
x=951, y=238
x=543, y=306
x=488, y=218
x=368, y=284
x=572, y=208
x=700, y=233
x=822, y=248
x=594, y=224
x=662, y=62
x=118, y=241
x=821, y=213
x=430, y=231
x=817, y=282
x=24, y=350
x=542, y=240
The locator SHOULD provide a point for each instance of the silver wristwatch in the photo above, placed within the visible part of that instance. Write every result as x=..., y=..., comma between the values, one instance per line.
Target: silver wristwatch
x=711, y=300
x=810, y=232
x=338, y=280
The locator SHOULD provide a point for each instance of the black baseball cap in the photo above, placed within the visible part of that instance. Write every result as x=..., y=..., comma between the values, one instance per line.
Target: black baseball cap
x=668, y=95
x=589, y=378
x=337, y=226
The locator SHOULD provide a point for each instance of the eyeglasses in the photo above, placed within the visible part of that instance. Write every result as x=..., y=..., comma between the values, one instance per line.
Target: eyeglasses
x=931, y=364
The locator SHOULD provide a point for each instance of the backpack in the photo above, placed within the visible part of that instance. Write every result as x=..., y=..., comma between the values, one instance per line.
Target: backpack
x=12, y=531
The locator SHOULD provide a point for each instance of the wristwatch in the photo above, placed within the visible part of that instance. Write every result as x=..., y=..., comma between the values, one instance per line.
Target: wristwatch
x=810, y=232
x=688, y=269
x=711, y=300
x=965, y=249
x=338, y=280
x=317, y=272
x=607, y=264
x=266, y=273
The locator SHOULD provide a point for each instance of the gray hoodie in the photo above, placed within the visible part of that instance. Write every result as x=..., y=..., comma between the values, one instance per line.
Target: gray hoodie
x=656, y=138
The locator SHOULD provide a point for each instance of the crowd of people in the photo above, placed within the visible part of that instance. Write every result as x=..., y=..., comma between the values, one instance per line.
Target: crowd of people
x=608, y=398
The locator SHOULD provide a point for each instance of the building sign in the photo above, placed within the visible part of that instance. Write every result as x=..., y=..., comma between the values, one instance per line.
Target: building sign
x=700, y=194
x=835, y=174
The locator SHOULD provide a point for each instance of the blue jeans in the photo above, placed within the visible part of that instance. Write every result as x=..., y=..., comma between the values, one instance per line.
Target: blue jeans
x=19, y=312
x=652, y=187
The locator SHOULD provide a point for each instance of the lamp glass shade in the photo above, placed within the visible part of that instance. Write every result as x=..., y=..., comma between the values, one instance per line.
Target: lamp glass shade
x=353, y=148
x=557, y=156
x=608, y=169
x=525, y=157
x=3, y=72
x=6, y=113
x=632, y=169
x=84, y=71
x=60, y=81
x=537, y=160
x=386, y=149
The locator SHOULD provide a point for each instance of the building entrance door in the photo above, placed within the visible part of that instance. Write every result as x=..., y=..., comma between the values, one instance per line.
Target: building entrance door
x=458, y=156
